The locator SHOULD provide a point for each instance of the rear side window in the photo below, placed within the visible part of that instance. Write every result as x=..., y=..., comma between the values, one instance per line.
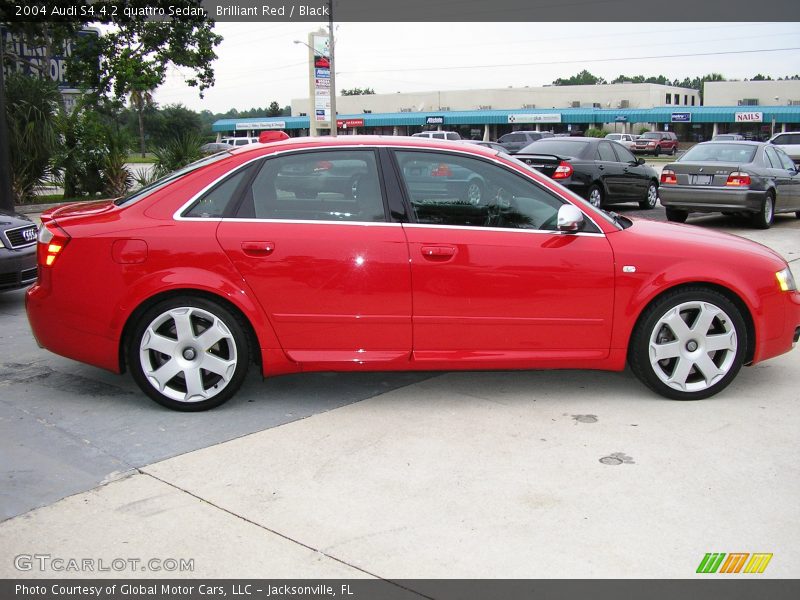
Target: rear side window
x=341, y=185
x=605, y=152
x=786, y=162
x=214, y=203
x=772, y=158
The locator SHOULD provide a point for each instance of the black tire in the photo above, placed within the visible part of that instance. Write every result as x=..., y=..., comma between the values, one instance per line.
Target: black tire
x=657, y=151
x=676, y=216
x=797, y=214
x=474, y=192
x=766, y=215
x=652, y=336
x=674, y=151
x=595, y=196
x=651, y=199
x=160, y=323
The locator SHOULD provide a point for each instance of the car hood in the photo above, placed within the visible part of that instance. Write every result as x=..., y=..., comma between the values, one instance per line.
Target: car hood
x=690, y=242
x=12, y=218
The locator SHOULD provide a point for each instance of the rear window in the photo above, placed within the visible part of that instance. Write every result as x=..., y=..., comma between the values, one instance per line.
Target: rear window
x=614, y=136
x=727, y=153
x=555, y=146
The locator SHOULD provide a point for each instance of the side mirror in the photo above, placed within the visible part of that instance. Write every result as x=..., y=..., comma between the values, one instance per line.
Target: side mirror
x=570, y=219
x=640, y=161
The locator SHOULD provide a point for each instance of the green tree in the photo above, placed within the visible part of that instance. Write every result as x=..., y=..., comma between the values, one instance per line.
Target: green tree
x=582, y=78
x=140, y=100
x=357, y=92
x=274, y=109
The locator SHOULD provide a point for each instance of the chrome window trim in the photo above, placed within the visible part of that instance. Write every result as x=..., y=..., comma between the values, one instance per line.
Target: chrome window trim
x=504, y=229
x=177, y=216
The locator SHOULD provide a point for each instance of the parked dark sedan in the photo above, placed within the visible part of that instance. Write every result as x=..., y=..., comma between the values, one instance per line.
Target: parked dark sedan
x=602, y=171
x=752, y=178
x=17, y=251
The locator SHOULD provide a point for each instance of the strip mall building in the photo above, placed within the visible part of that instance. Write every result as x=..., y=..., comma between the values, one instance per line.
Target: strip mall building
x=753, y=108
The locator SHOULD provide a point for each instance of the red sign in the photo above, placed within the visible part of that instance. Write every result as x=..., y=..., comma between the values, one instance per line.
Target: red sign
x=345, y=123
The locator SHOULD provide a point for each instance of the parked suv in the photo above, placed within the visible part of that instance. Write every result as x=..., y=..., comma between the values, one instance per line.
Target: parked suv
x=789, y=142
x=438, y=135
x=517, y=140
x=657, y=142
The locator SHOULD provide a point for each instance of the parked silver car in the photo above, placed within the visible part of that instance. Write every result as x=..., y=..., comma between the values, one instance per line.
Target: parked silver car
x=789, y=142
x=753, y=178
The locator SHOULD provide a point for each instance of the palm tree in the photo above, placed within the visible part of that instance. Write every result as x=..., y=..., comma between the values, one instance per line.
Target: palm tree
x=140, y=100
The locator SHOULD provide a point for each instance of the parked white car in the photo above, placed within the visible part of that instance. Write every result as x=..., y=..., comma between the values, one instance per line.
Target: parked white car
x=239, y=141
x=626, y=139
x=789, y=142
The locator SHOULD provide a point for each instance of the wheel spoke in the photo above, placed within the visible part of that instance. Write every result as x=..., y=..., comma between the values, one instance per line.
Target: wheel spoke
x=164, y=374
x=664, y=351
x=722, y=341
x=678, y=326
x=194, y=385
x=183, y=324
x=681, y=372
x=155, y=341
x=223, y=368
x=212, y=335
x=707, y=367
x=704, y=320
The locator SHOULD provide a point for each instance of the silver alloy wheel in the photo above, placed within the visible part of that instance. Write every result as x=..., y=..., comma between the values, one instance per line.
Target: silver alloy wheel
x=188, y=354
x=595, y=197
x=652, y=195
x=474, y=193
x=769, y=207
x=693, y=346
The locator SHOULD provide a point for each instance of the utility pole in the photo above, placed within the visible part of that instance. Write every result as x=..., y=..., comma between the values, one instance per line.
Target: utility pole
x=6, y=199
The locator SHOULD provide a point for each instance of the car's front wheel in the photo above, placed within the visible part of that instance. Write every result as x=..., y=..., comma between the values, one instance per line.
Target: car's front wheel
x=188, y=353
x=657, y=151
x=689, y=344
x=652, y=196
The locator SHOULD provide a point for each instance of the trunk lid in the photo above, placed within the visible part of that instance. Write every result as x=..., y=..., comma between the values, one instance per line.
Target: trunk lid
x=704, y=174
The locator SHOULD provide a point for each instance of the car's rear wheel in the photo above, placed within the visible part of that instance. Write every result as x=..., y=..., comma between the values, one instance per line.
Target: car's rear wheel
x=766, y=214
x=652, y=196
x=595, y=196
x=676, y=216
x=188, y=353
x=689, y=344
x=657, y=151
x=674, y=151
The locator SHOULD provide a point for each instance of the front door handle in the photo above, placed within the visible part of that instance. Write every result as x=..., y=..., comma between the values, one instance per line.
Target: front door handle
x=258, y=248
x=438, y=253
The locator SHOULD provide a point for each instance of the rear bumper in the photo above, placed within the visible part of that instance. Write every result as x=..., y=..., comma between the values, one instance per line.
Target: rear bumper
x=705, y=199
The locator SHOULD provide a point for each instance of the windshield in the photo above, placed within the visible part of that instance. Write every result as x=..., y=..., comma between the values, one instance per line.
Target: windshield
x=169, y=178
x=555, y=146
x=727, y=153
x=651, y=136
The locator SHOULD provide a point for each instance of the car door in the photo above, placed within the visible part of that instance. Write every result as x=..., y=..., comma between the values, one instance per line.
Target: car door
x=612, y=174
x=329, y=269
x=780, y=176
x=494, y=281
x=635, y=177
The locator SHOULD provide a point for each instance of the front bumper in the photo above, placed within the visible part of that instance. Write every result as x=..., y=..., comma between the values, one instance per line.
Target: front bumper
x=17, y=268
x=705, y=199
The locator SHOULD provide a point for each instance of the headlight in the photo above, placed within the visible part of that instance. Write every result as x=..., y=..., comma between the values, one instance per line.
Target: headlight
x=786, y=280
x=1, y=243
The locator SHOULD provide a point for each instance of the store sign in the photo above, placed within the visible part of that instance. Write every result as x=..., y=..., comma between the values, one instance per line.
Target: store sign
x=620, y=119
x=322, y=78
x=534, y=118
x=345, y=123
x=261, y=125
x=681, y=117
x=434, y=121
x=749, y=117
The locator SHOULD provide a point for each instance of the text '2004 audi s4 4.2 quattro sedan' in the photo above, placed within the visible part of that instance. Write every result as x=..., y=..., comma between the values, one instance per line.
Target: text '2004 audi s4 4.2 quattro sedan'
x=369, y=253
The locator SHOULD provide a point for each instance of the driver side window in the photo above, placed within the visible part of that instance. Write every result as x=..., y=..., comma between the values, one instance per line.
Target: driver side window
x=447, y=189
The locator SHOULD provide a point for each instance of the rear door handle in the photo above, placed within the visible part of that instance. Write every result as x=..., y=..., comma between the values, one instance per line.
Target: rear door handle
x=258, y=248
x=438, y=253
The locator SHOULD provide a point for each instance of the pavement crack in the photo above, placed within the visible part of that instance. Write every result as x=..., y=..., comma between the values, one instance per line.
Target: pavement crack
x=283, y=535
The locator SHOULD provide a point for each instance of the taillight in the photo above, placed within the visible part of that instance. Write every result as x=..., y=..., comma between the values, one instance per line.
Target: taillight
x=442, y=171
x=563, y=170
x=52, y=240
x=668, y=176
x=738, y=179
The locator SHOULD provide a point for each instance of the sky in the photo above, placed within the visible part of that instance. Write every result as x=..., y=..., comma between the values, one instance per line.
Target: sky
x=258, y=62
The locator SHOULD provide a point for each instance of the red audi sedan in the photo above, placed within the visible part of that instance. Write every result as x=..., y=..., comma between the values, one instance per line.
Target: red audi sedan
x=369, y=253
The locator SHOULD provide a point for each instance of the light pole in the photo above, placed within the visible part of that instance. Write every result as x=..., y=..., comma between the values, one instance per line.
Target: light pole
x=772, y=129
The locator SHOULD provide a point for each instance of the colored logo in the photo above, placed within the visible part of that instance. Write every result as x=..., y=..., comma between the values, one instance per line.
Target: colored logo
x=736, y=562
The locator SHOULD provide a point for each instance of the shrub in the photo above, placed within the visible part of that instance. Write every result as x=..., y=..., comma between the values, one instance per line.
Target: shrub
x=595, y=133
x=181, y=150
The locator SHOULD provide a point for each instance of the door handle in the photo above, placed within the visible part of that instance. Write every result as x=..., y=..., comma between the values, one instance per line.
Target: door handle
x=601, y=167
x=438, y=253
x=258, y=248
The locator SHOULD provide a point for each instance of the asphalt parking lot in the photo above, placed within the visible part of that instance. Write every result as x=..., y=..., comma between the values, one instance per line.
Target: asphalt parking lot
x=494, y=474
